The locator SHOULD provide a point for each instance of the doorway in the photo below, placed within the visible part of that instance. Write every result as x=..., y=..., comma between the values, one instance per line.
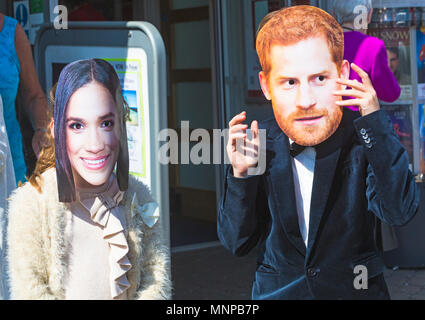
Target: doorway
x=185, y=27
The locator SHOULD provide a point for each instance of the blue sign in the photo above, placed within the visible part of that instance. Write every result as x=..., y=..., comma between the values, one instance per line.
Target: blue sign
x=21, y=14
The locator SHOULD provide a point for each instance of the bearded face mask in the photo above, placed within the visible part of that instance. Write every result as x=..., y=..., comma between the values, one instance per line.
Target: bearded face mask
x=300, y=73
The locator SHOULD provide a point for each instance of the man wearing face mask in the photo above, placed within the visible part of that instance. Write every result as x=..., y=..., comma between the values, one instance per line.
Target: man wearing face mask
x=330, y=171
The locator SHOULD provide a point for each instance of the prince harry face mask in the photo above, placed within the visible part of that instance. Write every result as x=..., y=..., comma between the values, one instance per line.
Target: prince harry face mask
x=300, y=85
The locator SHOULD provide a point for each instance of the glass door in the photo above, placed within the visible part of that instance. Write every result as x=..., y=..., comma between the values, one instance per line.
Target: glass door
x=238, y=21
x=186, y=32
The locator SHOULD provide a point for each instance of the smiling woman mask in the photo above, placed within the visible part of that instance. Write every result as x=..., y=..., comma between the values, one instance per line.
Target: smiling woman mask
x=81, y=83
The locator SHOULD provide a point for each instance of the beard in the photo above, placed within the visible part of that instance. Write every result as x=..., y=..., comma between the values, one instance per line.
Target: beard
x=310, y=135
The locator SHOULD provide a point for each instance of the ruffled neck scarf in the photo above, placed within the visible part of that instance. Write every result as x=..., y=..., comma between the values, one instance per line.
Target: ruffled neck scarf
x=102, y=204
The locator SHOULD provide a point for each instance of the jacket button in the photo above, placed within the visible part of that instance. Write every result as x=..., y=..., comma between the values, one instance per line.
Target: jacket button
x=311, y=272
x=363, y=131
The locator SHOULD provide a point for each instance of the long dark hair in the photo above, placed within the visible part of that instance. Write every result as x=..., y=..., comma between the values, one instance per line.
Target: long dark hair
x=73, y=77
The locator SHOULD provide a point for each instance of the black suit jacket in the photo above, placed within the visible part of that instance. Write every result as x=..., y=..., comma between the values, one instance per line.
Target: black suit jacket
x=361, y=173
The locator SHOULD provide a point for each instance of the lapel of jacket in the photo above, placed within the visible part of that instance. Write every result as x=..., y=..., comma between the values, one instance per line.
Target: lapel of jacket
x=283, y=191
x=327, y=156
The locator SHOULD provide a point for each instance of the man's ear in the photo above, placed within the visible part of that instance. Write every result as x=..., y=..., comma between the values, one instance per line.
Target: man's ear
x=264, y=85
x=52, y=128
x=345, y=71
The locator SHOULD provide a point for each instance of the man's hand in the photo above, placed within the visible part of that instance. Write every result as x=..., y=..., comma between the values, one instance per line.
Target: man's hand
x=242, y=151
x=364, y=93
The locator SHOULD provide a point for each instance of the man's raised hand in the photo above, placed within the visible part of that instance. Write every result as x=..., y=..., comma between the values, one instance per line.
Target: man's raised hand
x=242, y=149
x=364, y=93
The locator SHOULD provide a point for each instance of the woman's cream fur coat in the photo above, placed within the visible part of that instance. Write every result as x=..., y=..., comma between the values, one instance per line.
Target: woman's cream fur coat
x=36, y=244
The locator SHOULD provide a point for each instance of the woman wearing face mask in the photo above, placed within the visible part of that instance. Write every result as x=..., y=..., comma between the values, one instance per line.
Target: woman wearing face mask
x=77, y=230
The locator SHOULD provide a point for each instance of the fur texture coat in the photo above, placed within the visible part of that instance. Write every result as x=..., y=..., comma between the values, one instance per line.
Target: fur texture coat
x=37, y=245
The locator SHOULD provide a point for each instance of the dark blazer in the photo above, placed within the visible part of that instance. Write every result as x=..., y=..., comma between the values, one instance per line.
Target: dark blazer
x=361, y=174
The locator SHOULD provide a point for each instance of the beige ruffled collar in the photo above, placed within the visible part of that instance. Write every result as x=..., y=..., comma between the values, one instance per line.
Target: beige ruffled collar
x=102, y=204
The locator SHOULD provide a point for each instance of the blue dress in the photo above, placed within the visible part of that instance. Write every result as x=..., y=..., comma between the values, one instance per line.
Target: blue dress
x=9, y=83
